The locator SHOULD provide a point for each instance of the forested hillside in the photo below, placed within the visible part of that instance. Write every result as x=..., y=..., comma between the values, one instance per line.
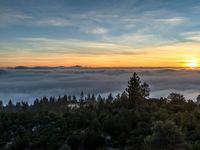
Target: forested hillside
x=130, y=120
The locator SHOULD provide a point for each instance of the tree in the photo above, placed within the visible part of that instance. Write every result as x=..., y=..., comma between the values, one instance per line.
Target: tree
x=69, y=98
x=88, y=97
x=65, y=99
x=24, y=106
x=36, y=102
x=198, y=99
x=45, y=100
x=93, y=98
x=110, y=98
x=99, y=98
x=81, y=100
x=65, y=147
x=165, y=136
x=1, y=104
x=10, y=105
x=176, y=98
x=145, y=90
x=124, y=96
x=82, y=97
x=52, y=101
x=136, y=90
x=74, y=98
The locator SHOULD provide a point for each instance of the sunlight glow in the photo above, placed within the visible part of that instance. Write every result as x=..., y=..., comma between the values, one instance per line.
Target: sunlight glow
x=192, y=63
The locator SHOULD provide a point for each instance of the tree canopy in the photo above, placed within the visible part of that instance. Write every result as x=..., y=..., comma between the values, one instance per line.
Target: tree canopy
x=128, y=120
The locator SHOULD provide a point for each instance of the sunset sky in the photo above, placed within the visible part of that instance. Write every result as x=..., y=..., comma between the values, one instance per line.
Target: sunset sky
x=100, y=33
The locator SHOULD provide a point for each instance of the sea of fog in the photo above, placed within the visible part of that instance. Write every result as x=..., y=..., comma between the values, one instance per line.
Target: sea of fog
x=27, y=84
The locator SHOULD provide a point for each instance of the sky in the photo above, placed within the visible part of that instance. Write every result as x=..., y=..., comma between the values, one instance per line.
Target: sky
x=100, y=33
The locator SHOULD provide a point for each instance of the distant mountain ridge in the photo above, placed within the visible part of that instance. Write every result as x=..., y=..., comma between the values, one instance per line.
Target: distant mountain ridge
x=47, y=67
x=85, y=67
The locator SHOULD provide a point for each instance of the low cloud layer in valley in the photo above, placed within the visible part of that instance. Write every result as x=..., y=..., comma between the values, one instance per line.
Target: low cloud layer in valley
x=30, y=83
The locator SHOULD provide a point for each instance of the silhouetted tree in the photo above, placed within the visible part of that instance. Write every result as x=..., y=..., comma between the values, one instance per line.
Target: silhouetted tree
x=176, y=98
x=124, y=96
x=52, y=101
x=110, y=98
x=45, y=100
x=145, y=90
x=82, y=96
x=198, y=99
x=65, y=99
x=74, y=98
x=1, y=104
x=69, y=98
x=36, y=102
x=81, y=99
x=93, y=98
x=118, y=97
x=136, y=90
x=24, y=106
x=99, y=98
x=10, y=104
x=88, y=97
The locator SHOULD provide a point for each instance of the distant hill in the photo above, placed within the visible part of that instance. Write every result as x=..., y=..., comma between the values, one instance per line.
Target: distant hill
x=47, y=67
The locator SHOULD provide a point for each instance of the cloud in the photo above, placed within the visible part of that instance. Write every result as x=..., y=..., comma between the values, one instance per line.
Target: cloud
x=75, y=46
x=13, y=17
x=196, y=9
x=194, y=35
x=57, y=22
x=172, y=21
x=131, y=38
x=28, y=84
x=37, y=39
x=96, y=30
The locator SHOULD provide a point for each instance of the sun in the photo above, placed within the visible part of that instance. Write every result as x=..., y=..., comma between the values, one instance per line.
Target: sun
x=192, y=63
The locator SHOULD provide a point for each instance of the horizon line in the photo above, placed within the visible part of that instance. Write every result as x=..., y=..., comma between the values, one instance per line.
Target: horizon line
x=92, y=67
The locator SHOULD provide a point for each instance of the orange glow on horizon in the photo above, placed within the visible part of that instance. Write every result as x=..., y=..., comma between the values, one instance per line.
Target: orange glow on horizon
x=176, y=55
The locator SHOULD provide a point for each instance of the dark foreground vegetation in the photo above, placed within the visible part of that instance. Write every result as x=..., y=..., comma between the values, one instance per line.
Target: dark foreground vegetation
x=130, y=120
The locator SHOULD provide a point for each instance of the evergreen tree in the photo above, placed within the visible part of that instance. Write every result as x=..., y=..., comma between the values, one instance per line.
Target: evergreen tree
x=10, y=104
x=136, y=90
x=124, y=96
x=110, y=98
x=166, y=136
x=1, y=104
x=145, y=90
x=198, y=99
x=176, y=98
x=82, y=96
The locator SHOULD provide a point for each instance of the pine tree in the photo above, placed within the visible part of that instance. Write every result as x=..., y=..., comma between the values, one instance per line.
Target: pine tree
x=136, y=90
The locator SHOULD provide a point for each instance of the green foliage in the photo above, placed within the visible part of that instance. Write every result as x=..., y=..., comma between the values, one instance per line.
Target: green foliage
x=65, y=147
x=137, y=91
x=176, y=98
x=166, y=135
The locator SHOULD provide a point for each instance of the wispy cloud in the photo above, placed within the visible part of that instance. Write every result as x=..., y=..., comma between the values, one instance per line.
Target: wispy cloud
x=76, y=46
x=172, y=21
x=59, y=22
x=194, y=35
x=13, y=17
x=140, y=39
x=96, y=30
x=196, y=9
